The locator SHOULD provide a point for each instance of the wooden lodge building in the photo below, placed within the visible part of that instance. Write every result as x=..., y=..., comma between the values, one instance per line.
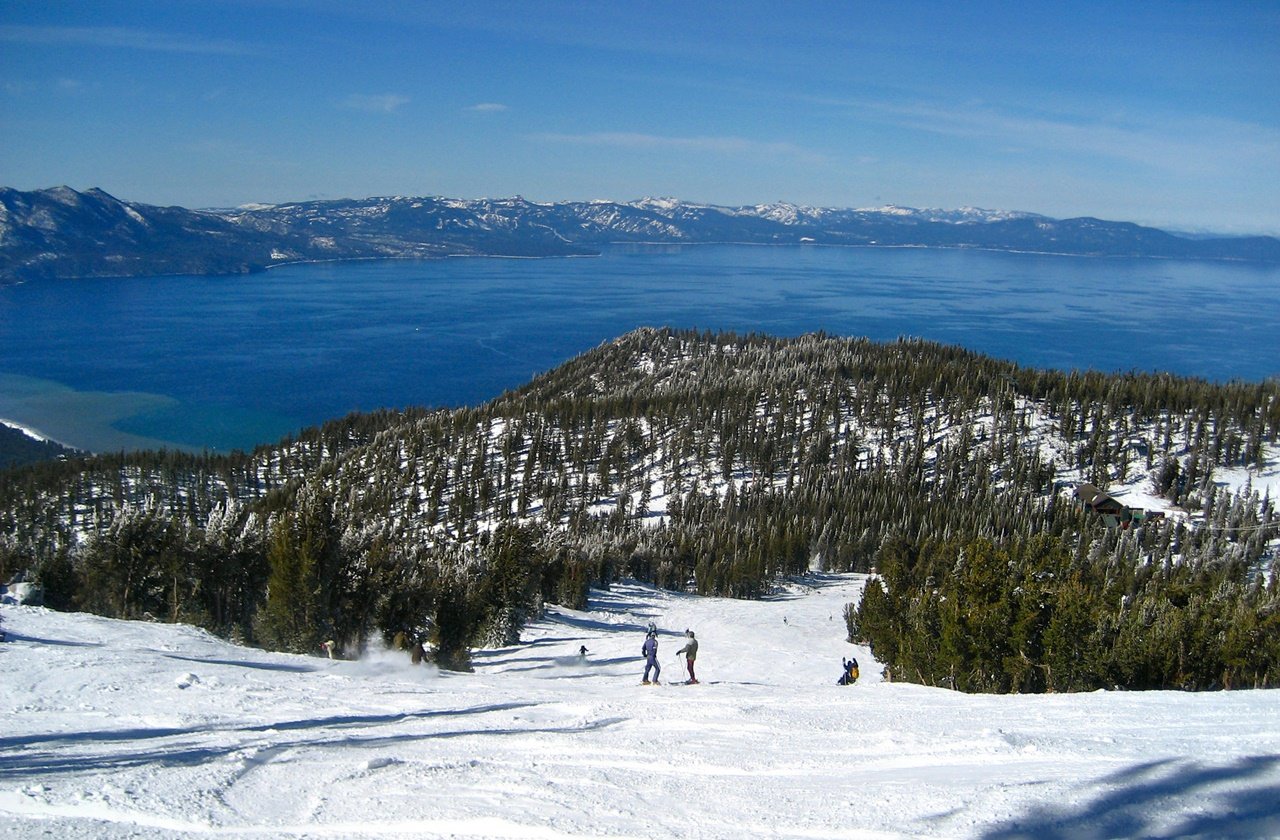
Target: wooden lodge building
x=1114, y=513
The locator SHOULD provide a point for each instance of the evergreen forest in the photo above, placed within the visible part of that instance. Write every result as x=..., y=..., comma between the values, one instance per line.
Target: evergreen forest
x=721, y=464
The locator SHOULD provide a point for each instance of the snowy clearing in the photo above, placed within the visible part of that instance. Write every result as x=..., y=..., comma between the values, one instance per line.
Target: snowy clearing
x=118, y=729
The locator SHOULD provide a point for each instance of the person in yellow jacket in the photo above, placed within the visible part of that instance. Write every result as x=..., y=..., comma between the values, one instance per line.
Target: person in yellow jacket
x=690, y=651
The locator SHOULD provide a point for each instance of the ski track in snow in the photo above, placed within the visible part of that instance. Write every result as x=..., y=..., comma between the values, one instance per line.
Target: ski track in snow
x=118, y=729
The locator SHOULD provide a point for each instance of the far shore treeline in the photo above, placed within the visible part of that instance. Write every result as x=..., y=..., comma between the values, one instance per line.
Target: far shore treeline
x=64, y=233
x=716, y=464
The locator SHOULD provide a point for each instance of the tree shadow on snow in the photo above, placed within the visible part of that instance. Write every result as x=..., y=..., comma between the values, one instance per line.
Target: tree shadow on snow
x=1236, y=800
x=19, y=637
x=334, y=721
x=625, y=598
x=561, y=662
x=806, y=585
x=605, y=626
x=551, y=640
x=244, y=663
x=493, y=653
x=27, y=766
x=480, y=659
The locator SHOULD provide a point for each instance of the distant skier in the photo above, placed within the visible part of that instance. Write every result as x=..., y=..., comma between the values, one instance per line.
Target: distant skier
x=650, y=652
x=850, y=674
x=582, y=654
x=690, y=651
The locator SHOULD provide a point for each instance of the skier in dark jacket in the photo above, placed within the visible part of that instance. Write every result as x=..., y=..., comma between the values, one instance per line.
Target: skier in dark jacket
x=690, y=651
x=850, y=675
x=650, y=652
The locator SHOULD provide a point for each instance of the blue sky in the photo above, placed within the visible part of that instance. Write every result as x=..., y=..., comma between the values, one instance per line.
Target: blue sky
x=1163, y=113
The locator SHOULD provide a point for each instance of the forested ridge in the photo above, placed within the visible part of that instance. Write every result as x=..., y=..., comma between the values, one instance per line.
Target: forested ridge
x=17, y=447
x=715, y=463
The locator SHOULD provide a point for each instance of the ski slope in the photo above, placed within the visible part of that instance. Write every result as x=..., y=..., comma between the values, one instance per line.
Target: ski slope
x=119, y=729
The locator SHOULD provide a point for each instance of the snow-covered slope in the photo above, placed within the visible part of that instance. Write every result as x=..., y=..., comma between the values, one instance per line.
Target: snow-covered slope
x=116, y=729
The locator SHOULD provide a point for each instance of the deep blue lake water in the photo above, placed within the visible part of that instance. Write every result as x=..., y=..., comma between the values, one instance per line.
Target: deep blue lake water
x=229, y=362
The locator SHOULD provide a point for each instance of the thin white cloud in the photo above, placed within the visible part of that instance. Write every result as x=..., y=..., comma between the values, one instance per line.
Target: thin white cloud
x=378, y=103
x=122, y=38
x=727, y=146
x=488, y=107
x=1178, y=144
x=62, y=85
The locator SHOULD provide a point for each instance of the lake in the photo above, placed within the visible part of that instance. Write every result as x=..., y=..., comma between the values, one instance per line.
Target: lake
x=230, y=362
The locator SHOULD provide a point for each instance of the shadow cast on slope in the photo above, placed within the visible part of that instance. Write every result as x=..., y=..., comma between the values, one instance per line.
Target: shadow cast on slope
x=604, y=626
x=35, y=765
x=19, y=637
x=335, y=721
x=1236, y=800
x=571, y=664
x=806, y=585
x=244, y=663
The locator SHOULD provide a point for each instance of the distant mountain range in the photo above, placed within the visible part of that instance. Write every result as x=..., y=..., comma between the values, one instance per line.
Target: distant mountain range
x=61, y=232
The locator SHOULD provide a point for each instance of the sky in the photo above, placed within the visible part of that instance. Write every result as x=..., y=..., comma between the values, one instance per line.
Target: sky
x=1160, y=113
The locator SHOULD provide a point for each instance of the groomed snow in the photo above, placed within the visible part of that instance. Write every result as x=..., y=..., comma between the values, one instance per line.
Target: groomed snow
x=116, y=729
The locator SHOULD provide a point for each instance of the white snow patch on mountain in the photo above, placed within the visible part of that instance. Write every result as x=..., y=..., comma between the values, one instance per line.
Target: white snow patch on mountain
x=661, y=205
x=962, y=215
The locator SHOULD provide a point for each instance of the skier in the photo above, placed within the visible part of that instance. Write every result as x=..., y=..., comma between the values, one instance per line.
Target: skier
x=850, y=674
x=650, y=652
x=690, y=651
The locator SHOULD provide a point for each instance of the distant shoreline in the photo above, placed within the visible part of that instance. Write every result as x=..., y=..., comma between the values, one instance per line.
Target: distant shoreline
x=11, y=280
x=81, y=420
x=34, y=434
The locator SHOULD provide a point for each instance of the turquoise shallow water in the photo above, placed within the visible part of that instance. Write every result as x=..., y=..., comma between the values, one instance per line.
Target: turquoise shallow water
x=87, y=419
x=229, y=362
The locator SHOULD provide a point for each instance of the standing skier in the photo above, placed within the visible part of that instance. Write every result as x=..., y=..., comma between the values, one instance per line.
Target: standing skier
x=690, y=651
x=650, y=652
